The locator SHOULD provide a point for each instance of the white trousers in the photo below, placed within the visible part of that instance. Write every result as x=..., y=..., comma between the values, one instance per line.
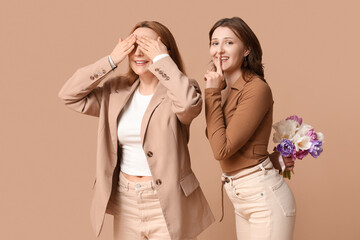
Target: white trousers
x=139, y=215
x=264, y=204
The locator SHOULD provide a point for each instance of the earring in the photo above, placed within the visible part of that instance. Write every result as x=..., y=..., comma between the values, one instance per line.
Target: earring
x=245, y=61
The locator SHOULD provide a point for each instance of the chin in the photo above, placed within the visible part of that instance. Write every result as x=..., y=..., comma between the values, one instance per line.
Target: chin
x=231, y=67
x=226, y=68
x=140, y=70
x=226, y=65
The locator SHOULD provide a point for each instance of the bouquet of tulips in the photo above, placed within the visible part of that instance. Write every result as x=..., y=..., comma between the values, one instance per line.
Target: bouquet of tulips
x=296, y=139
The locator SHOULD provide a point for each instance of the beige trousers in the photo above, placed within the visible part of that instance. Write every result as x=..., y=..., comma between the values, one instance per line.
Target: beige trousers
x=264, y=204
x=140, y=214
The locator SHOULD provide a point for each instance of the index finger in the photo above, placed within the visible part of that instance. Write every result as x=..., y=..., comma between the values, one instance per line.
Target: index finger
x=131, y=38
x=218, y=65
x=146, y=39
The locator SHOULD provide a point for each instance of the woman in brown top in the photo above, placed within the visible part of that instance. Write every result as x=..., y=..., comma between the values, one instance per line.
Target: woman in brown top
x=239, y=107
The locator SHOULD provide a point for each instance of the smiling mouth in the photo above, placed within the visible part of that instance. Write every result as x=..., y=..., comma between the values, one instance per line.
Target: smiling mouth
x=141, y=62
x=224, y=59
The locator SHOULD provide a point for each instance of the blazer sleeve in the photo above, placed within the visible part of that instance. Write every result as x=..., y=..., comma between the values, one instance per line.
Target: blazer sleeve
x=184, y=93
x=253, y=104
x=81, y=92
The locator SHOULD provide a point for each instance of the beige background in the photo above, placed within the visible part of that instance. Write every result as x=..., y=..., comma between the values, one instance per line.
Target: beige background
x=311, y=52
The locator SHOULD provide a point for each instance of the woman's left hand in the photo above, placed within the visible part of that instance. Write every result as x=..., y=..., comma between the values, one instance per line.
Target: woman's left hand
x=150, y=47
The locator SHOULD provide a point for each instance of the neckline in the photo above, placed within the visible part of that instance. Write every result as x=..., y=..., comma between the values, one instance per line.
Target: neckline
x=142, y=95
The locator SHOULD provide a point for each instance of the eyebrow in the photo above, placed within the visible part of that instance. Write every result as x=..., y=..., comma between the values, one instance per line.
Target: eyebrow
x=224, y=38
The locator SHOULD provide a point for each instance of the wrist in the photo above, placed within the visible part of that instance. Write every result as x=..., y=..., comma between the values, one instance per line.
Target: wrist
x=159, y=56
x=111, y=62
x=210, y=84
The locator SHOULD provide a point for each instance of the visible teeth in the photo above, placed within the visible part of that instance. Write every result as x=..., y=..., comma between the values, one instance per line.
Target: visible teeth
x=140, y=62
x=224, y=58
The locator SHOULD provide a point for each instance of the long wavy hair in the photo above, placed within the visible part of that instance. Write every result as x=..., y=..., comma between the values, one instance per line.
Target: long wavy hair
x=252, y=64
x=167, y=38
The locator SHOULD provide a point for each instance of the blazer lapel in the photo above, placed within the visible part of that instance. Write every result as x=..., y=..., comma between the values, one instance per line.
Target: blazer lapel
x=117, y=102
x=158, y=97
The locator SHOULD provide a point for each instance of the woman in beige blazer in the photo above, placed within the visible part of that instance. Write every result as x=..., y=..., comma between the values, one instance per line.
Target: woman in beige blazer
x=168, y=204
x=239, y=120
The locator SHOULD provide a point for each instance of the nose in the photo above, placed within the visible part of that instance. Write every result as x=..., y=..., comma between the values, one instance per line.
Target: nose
x=220, y=50
x=138, y=52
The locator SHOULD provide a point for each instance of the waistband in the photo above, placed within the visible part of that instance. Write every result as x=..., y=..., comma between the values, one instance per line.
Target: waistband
x=135, y=185
x=244, y=174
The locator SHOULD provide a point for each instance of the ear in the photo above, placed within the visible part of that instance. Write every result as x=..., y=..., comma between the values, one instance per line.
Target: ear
x=247, y=52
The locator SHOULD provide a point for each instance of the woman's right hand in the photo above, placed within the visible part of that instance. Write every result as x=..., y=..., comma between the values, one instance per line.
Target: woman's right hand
x=215, y=79
x=289, y=163
x=122, y=49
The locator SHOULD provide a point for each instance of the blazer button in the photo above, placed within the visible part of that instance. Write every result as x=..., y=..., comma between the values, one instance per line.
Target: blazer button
x=158, y=182
x=92, y=77
x=161, y=72
x=156, y=69
x=103, y=71
x=167, y=78
x=96, y=75
x=149, y=154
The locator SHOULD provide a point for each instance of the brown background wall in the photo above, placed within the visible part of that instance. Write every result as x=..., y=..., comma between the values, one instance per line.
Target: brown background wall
x=311, y=52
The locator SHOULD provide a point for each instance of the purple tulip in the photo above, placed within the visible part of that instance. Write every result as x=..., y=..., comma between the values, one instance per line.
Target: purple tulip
x=295, y=118
x=312, y=134
x=316, y=149
x=285, y=147
x=300, y=154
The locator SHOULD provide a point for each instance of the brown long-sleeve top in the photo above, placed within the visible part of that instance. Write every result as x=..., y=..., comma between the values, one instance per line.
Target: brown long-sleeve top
x=239, y=130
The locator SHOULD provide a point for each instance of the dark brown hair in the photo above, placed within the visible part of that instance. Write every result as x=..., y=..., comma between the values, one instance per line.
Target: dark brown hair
x=254, y=64
x=167, y=38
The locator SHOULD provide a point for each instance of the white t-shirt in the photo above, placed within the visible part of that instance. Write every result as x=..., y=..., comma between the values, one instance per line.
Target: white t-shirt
x=133, y=161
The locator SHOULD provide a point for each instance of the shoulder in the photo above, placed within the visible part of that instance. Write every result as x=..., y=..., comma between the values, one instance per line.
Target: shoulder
x=117, y=83
x=257, y=84
x=257, y=87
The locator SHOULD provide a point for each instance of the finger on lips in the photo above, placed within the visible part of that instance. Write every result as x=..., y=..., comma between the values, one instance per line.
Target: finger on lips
x=218, y=65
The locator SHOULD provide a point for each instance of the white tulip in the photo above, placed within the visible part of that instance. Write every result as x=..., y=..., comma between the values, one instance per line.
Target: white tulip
x=284, y=129
x=320, y=136
x=301, y=142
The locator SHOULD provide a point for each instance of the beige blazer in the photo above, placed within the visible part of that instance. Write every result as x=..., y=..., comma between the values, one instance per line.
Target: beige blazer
x=164, y=133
